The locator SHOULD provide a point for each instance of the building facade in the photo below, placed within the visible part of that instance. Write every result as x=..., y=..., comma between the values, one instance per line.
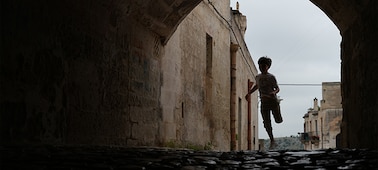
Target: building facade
x=322, y=124
x=205, y=71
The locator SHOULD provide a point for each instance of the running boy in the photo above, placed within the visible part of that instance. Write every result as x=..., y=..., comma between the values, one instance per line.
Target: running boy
x=268, y=89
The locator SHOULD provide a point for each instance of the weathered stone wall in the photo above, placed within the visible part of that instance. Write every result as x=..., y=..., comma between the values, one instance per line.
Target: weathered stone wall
x=330, y=114
x=196, y=86
x=196, y=78
x=245, y=69
x=77, y=72
x=331, y=94
x=330, y=120
x=92, y=73
x=360, y=93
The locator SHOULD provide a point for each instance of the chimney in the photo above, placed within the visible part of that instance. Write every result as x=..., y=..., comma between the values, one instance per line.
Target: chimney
x=241, y=20
x=316, y=106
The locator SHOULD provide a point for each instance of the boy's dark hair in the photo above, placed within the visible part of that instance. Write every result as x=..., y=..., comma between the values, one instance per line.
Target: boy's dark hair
x=265, y=60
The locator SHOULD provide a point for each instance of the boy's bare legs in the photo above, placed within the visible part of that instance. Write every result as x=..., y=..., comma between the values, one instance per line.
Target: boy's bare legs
x=265, y=113
x=272, y=141
x=268, y=106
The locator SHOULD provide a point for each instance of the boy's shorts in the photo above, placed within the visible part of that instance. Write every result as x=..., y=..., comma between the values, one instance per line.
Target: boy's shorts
x=271, y=104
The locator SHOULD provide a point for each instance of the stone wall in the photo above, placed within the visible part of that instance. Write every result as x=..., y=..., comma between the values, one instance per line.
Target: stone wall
x=245, y=70
x=196, y=81
x=76, y=72
x=331, y=94
x=331, y=121
x=360, y=95
x=97, y=73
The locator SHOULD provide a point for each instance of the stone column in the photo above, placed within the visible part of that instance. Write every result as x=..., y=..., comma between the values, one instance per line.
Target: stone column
x=250, y=85
x=233, y=49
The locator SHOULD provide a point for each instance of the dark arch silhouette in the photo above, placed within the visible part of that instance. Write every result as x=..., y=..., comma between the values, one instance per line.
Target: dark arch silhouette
x=61, y=67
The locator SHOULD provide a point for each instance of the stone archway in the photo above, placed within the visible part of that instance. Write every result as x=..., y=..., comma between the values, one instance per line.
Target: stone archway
x=161, y=17
x=84, y=72
x=357, y=22
x=358, y=25
x=87, y=72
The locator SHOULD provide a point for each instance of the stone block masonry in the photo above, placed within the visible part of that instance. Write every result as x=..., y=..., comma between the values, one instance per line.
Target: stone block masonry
x=77, y=73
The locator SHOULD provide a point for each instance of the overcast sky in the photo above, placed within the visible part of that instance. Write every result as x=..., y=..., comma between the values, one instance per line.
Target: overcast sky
x=304, y=45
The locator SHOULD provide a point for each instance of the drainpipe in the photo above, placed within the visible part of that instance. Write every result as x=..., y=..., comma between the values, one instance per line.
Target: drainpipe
x=233, y=49
x=250, y=84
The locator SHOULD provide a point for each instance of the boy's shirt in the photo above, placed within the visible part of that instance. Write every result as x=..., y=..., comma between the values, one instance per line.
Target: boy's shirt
x=266, y=83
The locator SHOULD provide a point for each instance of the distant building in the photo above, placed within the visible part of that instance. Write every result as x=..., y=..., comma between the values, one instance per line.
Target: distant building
x=322, y=124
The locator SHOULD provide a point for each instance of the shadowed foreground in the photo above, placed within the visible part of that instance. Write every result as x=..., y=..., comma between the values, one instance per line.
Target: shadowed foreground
x=95, y=157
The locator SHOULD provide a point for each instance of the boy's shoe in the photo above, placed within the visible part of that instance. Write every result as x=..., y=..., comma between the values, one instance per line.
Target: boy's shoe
x=273, y=145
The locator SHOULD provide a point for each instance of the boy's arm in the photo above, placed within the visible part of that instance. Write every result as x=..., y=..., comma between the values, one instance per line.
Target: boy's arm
x=276, y=90
x=254, y=88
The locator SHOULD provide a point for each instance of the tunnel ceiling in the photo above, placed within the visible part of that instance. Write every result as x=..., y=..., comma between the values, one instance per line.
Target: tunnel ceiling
x=343, y=13
x=160, y=16
x=163, y=16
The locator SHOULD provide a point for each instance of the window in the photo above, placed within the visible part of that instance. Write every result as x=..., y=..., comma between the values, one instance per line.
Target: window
x=209, y=55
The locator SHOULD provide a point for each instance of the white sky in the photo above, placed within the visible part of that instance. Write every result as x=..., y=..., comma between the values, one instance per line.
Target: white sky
x=304, y=45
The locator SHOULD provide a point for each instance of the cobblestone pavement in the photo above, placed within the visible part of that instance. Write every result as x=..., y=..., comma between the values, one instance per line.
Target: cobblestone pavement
x=114, y=158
